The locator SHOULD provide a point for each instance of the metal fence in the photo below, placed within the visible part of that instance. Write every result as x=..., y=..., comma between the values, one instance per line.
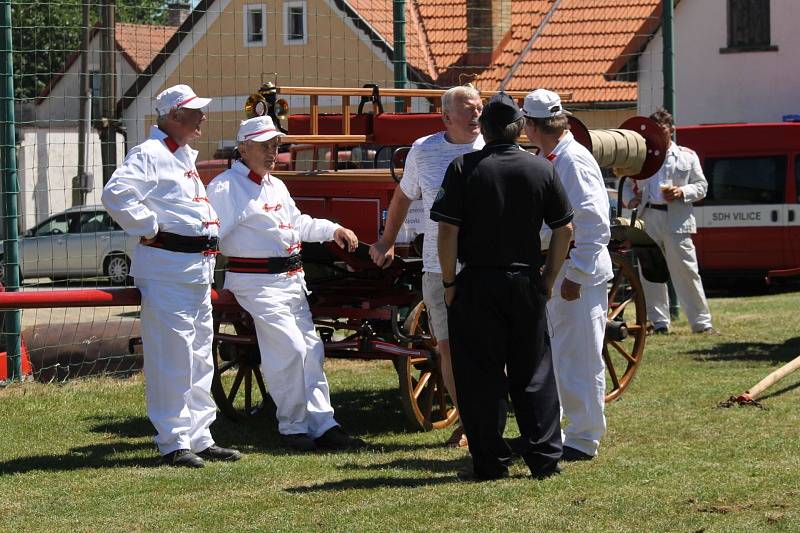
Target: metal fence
x=79, y=79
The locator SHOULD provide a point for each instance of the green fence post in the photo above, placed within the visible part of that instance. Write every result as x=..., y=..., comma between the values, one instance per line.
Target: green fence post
x=8, y=156
x=400, y=68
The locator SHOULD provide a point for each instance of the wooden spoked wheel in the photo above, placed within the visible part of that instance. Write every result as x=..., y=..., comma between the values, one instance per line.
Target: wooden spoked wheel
x=425, y=399
x=626, y=314
x=238, y=387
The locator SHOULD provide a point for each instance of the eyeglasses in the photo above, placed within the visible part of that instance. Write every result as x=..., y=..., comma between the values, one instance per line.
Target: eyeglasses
x=270, y=145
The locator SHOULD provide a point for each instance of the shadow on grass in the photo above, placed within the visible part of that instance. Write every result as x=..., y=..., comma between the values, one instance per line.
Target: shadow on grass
x=780, y=392
x=750, y=351
x=373, y=483
x=369, y=414
x=93, y=456
x=128, y=427
x=427, y=465
x=370, y=411
x=361, y=412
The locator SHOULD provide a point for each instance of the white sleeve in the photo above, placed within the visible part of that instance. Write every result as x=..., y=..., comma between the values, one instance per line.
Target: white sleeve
x=310, y=229
x=410, y=183
x=697, y=186
x=589, y=224
x=124, y=195
x=220, y=197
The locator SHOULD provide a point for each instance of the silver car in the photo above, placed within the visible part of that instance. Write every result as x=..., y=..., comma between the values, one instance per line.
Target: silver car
x=83, y=241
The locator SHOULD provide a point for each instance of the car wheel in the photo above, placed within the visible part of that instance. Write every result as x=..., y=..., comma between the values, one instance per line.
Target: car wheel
x=118, y=268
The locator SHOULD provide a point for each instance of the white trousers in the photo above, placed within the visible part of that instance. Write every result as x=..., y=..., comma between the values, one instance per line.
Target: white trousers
x=177, y=330
x=681, y=258
x=292, y=353
x=576, y=338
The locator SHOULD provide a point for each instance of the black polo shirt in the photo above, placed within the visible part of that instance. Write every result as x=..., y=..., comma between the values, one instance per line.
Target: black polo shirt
x=499, y=197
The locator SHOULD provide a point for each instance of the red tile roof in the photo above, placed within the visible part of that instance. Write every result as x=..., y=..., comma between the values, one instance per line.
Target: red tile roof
x=141, y=42
x=581, y=43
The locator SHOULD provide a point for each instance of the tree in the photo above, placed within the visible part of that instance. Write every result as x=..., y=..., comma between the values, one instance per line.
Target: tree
x=47, y=33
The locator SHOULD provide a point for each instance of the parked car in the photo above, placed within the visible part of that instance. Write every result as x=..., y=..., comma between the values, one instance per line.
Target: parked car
x=83, y=241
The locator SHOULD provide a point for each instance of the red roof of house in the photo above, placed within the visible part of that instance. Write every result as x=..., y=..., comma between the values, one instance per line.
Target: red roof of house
x=139, y=44
x=579, y=45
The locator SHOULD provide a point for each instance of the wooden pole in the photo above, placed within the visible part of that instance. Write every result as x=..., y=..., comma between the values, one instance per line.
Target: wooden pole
x=755, y=391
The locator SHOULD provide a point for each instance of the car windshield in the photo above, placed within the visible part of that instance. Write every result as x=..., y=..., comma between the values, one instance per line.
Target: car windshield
x=93, y=221
x=55, y=226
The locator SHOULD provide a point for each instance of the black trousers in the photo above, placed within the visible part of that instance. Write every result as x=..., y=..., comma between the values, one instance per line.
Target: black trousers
x=500, y=347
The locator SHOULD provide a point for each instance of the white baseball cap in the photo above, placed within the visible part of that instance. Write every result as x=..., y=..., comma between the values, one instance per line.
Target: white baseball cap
x=542, y=103
x=257, y=129
x=177, y=97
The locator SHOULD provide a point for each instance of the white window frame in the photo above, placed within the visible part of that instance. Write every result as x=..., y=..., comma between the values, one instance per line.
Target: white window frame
x=287, y=5
x=254, y=8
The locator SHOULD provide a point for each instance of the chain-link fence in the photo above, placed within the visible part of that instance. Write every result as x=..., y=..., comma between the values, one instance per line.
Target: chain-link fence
x=85, y=75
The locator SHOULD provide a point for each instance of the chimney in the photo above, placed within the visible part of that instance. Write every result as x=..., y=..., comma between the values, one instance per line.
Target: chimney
x=488, y=21
x=176, y=13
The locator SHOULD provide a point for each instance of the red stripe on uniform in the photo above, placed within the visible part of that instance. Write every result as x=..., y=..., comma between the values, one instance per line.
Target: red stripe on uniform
x=171, y=144
x=255, y=178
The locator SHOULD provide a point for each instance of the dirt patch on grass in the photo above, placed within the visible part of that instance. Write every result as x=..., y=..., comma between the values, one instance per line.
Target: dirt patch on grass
x=722, y=507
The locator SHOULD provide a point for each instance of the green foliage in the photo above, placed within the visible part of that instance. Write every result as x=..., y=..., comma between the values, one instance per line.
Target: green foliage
x=47, y=33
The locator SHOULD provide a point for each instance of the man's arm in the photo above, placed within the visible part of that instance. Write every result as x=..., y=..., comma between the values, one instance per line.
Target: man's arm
x=697, y=185
x=124, y=195
x=590, y=225
x=382, y=252
x=448, y=253
x=559, y=246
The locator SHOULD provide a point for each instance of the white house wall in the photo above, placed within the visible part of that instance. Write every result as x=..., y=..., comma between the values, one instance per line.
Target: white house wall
x=47, y=160
x=711, y=87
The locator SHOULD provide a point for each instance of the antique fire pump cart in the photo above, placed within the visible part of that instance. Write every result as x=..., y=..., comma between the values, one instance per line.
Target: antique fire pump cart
x=364, y=312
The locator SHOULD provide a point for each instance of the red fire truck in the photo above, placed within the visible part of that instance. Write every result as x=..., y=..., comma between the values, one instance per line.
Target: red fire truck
x=749, y=222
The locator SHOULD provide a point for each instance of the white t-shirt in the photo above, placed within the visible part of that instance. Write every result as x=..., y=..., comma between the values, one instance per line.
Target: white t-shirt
x=422, y=178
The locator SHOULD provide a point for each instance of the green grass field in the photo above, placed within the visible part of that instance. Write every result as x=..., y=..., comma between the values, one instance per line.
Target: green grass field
x=79, y=456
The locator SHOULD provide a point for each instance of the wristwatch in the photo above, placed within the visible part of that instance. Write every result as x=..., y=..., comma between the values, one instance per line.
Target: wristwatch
x=448, y=284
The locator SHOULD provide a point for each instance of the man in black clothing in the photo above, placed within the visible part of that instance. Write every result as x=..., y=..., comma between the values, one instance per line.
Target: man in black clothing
x=490, y=210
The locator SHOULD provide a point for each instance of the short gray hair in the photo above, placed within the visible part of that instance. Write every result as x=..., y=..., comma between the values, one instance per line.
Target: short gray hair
x=464, y=91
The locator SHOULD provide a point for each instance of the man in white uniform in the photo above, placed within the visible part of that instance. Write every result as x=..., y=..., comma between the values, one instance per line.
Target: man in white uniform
x=157, y=195
x=665, y=201
x=422, y=178
x=261, y=232
x=579, y=306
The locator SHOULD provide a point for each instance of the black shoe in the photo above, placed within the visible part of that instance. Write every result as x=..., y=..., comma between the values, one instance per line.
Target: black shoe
x=337, y=439
x=549, y=472
x=299, y=442
x=467, y=473
x=183, y=458
x=215, y=453
x=662, y=330
x=571, y=454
